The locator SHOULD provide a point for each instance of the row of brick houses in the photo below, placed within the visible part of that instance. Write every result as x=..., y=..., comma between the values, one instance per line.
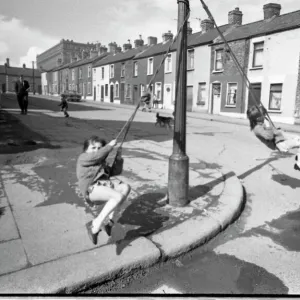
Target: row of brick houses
x=10, y=74
x=268, y=51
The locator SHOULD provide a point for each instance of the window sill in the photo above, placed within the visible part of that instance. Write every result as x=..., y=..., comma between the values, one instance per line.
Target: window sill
x=230, y=106
x=255, y=68
x=149, y=74
x=274, y=111
x=190, y=69
x=168, y=72
x=218, y=71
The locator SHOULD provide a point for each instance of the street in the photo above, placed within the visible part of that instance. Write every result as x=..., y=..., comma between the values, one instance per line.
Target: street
x=258, y=254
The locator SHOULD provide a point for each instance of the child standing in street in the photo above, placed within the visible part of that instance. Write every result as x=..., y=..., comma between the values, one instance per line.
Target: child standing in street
x=272, y=137
x=93, y=175
x=64, y=105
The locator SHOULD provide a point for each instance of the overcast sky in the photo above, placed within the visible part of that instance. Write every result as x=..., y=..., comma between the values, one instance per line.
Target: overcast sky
x=29, y=27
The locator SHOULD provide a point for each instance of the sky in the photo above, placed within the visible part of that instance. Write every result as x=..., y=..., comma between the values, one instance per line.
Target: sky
x=29, y=27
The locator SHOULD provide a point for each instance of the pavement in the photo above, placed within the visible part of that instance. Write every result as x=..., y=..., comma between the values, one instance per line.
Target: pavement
x=44, y=247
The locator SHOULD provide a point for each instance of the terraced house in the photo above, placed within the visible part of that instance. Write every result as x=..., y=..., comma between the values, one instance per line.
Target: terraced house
x=268, y=51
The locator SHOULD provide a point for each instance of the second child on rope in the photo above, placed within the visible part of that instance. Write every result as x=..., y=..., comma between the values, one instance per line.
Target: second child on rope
x=93, y=175
x=272, y=137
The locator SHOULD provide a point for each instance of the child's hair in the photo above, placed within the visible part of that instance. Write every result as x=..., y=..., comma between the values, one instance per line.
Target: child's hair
x=255, y=114
x=93, y=139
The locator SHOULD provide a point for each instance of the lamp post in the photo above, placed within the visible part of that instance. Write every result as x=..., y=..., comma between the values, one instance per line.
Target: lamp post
x=178, y=183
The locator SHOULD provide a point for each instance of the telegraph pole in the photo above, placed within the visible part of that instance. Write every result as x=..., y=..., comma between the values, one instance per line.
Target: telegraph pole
x=33, y=89
x=178, y=183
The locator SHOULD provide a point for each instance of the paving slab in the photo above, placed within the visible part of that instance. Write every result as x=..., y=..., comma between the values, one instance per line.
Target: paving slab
x=74, y=272
x=7, y=224
x=13, y=258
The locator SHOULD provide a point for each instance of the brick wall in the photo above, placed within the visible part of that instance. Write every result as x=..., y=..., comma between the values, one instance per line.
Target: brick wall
x=231, y=73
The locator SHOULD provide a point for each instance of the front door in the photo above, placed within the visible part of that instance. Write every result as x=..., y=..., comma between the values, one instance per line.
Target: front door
x=122, y=92
x=168, y=95
x=135, y=94
x=102, y=93
x=254, y=97
x=111, y=93
x=94, y=93
x=84, y=90
x=189, y=98
x=216, y=98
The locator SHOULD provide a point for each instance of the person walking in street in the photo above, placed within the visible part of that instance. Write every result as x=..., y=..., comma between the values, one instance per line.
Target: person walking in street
x=21, y=88
x=93, y=174
x=64, y=105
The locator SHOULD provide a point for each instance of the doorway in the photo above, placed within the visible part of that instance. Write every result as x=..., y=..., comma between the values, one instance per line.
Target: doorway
x=94, y=93
x=102, y=93
x=168, y=95
x=122, y=92
x=189, y=98
x=111, y=93
x=256, y=97
x=215, y=98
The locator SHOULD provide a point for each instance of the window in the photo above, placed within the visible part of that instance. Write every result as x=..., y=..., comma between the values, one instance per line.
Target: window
x=150, y=66
x=106, y=90
x=275, y=96
x=102, y=73
x=123, y=70
x=201, y=100
x=80, y=73
x=98, y=89
x=127, y=90
x=218, y=60
x=73, y=74
x=94, y=75
x=117, y=89
x=111, y=71
x=158, y=90
x=135, y=68
x=150, y=89
x=190, y=59
x=168, y=63
x=89, y=87
x=79, y=88
x=89, y=71
x=258, y=51
x=70, y=87
x=231, y=94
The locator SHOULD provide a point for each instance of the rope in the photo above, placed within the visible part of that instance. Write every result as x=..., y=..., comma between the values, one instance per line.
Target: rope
x=236, y=61
x=127, y=125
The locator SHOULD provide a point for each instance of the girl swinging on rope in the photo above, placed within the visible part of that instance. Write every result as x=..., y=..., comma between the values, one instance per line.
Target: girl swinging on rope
x=270, y=136
x=93, y=175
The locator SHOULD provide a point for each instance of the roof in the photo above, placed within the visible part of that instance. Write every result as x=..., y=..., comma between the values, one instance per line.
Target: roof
x=17, y=71
x=88, y=60
x=194, y=39
x=199, y=38
x=276, y=24
x=113, y=58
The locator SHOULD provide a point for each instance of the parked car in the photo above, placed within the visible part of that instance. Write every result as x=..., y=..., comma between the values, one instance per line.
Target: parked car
x=72, y=96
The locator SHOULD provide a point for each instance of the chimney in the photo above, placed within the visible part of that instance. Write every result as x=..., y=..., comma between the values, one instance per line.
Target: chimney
x=168, y=36
x=74, y=58
x=102, y=49
x=189, y=29
x=118, y=49
x=93, y=53
x=127, y=46
x=152, y=40
x=235, y=17
x=112, y=47
x=271, y=10
x=7, y=62
x=139, y=42
x=84, y=54
x=24, y=66
x=207, y=25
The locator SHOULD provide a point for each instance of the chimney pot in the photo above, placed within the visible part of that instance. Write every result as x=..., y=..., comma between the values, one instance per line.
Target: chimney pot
x=271, y=10
x=167, y=36
x=235, y=17
x=207, y=25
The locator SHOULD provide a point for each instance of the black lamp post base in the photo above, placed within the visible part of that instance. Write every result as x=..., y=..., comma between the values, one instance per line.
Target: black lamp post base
x=178, y=183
